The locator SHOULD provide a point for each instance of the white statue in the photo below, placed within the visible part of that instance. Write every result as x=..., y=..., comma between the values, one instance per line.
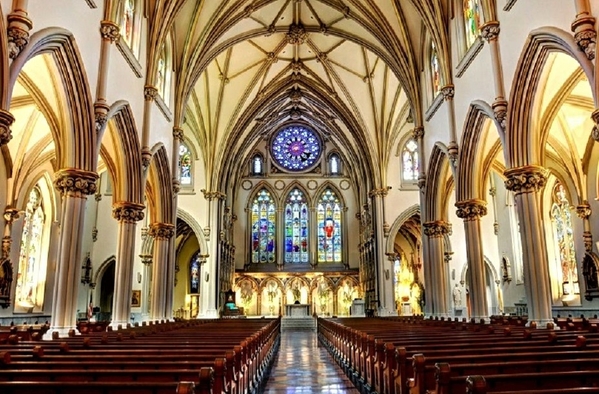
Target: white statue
x=457, y=296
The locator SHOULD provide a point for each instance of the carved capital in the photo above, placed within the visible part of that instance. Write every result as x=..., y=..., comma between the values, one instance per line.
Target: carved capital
x=146, y=157
x=146, y=259
x=178, y=134
x=447, y=91
x=176, y=186
x=418, y=132
x=435, y=229
x=583, y=210
x=382, y=192
x=585, y=35
x=500, y=111
x=110, y=31
x=490, y=30
x=161, y=230
x=526, y=179
x=18, y=38
x=421, y=181
x=587, y=42
x=150, y=93
x=208, y=195
x=10, y=214
x=75, y=182
x=471, y=209
x=6, y=120
x=101, y=118
x=452, y=151
x=595, y=132
x=128, y=212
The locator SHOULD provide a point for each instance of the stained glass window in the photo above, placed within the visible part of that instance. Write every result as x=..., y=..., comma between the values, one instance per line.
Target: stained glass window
x=184, y=165
x=127, y=21
x=409, y=157
x=472, y=20
x=31, y=277
x=435, y=74
x=263, y=228
x=328, y=215
x=564, y=238
x=296, y=228
x=296, y=148
x=194, y=274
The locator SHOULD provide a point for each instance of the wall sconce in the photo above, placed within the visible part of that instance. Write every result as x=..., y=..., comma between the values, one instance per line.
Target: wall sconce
x=86, y=271
x=139, y=277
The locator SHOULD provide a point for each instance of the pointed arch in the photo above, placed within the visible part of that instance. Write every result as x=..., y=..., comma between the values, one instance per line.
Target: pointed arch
x=159, y=188
x=398, y=223
x=257, y=188
x=438, y=171
x=470, y=172
x=524, y=142
x=126, y=153
x=78, y=141
x=4, y=68
x=296, y=185
x=195, y=227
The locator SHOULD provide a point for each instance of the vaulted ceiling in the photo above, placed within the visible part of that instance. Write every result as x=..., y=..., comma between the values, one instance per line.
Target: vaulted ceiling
x=347, y=68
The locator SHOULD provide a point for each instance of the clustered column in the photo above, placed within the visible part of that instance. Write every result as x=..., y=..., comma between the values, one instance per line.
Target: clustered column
x=471, y=211
x=74, y=186
x=162, y=233
x=437, y=292
x=127, y=214
x=526, y=182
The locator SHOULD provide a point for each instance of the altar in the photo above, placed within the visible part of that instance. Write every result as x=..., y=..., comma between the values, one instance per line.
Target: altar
x=297, y=310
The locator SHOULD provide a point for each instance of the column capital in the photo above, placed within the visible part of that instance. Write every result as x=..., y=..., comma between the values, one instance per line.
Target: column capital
x=436, y=229
x=585, y=35
x=6, y=120
x=525, y=179
x=178, y=133
x=162, y=230
x=208, y=195
x=490, y=30
x=583, y=210
x=150, y=93
x=381, y=192
x=128, y=212
x=110, y=31
x=471, y=209
x=447, y=91
x=146, y=259
x=10, y=214
x=418, y=132
x=19, y=26
x=594, y=133
x=76, y=182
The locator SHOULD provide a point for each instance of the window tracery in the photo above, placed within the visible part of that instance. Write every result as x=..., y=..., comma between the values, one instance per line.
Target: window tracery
x=328, y=215
x=409, y=161
x=296, y=228
x=296, y=148
x=263, y=221
x=185, y=160
x=472, y=20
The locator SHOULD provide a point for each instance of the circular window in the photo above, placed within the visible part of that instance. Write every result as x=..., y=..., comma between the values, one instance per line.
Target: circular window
x=296, y=148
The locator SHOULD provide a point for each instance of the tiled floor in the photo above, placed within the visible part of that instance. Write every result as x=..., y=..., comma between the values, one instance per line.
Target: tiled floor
x=302, y=366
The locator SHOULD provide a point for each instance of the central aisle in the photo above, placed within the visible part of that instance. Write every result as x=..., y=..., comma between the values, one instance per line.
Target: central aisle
x=302, y=366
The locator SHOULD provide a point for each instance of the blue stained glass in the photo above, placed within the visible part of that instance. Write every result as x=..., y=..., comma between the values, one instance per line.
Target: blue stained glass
x=263, y=228
x=296, y=228
x=194, y=274
x=296, y=148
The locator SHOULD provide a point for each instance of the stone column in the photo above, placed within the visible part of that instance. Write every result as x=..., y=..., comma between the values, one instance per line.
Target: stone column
x=74, y=185
x=583, y=28
x=526, y=182
x=18, y=29
x=127, y=214
x=471, y=211
x=146, y=260
x=178, y=137
x=150, y=93
x=448, y=92
x=110, y=32
x=490, y=32
x=384, y=283
x=162, y=233
x=437, y=290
